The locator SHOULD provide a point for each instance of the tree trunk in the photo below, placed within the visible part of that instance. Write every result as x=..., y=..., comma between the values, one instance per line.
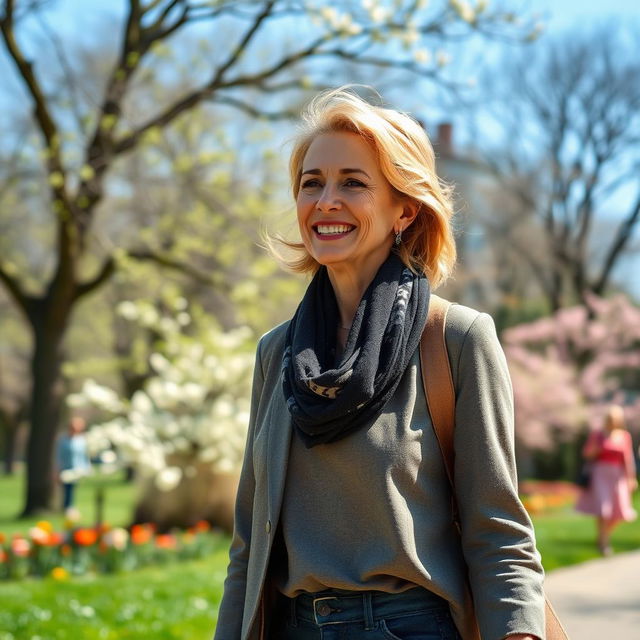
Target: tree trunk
x=208, y=495
x=44, y=415
x=9, y=446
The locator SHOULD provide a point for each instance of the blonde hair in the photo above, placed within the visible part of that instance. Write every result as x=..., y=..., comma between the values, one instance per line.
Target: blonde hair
x=407, y=161
x=614, y=418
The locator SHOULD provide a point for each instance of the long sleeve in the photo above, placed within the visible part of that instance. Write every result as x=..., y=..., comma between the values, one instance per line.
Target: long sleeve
x=629, y=461
x=505, y=572
x=229, y=625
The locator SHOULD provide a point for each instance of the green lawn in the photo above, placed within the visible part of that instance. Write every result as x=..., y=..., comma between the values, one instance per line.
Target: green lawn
x=174, y=601
x=567, y=537
x=117, y=510
x=177, y=601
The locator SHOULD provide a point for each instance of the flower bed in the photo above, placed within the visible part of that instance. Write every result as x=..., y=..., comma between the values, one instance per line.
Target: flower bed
x=80, y=550
x=539, y=496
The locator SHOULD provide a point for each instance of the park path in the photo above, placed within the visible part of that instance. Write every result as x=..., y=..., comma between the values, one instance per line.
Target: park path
x=599, y=599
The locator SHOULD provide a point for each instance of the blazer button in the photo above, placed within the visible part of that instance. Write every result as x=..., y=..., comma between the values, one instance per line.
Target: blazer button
x=267, y=527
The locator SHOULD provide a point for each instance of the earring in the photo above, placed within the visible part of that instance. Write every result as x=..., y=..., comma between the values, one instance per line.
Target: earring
x=398, y=239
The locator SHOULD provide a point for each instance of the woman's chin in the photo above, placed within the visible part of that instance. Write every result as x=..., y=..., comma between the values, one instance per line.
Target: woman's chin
x=332, y=258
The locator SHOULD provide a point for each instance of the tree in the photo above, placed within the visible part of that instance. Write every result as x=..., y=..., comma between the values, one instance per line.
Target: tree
x=184, y=430
x=567, y=369
x=247, y=72
x=565, y=149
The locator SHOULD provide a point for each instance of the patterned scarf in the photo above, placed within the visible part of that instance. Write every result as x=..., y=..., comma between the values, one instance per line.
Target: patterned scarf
x=329, y=398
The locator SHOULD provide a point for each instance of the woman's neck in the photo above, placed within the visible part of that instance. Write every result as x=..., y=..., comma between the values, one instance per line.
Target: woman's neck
x=350, y=281
x=349, y=287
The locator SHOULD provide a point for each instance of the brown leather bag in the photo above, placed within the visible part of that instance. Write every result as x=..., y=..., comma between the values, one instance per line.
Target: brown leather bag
x=440, y=393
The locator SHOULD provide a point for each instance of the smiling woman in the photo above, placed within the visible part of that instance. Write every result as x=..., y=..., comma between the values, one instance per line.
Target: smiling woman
x=343, y=522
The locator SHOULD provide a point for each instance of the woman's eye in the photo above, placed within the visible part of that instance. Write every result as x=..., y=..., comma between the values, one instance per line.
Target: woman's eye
x=310, y=184
x=352, y=182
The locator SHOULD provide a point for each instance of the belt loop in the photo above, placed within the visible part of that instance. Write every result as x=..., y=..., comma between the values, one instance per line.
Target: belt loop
x=292, y=612
x=368, y=610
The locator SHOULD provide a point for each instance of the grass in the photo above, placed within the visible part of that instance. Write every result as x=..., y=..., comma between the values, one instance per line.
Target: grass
x=178, y=601
x=174, y=601
x=565, y=537
x=117, y=510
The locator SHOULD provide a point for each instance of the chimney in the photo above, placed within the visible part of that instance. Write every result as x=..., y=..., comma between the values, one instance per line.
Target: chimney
x=444, y=141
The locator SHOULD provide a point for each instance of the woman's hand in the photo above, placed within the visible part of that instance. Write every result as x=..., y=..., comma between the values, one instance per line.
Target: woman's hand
x=633, y=483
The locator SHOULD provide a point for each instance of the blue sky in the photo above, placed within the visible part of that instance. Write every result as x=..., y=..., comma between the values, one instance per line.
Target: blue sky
x=565, y=13
x=561, y=13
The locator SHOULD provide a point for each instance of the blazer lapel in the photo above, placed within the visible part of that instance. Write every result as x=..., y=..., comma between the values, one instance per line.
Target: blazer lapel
x=279, y=442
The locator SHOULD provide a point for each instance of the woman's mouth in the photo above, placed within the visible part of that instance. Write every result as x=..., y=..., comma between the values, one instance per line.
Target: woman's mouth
x=332, y=231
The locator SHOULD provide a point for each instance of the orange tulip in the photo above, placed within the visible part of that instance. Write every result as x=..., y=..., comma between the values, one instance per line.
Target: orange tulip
x=85, y=537
x=202, y=525
x=166, y=541
x=140, y=534
x=55, y=539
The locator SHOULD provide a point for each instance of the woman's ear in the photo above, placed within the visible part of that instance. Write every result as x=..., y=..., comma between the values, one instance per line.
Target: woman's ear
x=409, y=212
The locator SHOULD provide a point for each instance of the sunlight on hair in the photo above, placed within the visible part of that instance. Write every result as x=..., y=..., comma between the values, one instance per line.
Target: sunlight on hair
x=407, y=161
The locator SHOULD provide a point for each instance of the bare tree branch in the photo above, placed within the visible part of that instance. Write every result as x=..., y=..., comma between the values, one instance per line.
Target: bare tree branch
x=169, y=262
x=252, y=110
x=20, y=297
x=193, y=98
x=622, y=239
x=105, y=272
x=67, y=71
x=47, y=125
x=243, y=44
x=575, y=104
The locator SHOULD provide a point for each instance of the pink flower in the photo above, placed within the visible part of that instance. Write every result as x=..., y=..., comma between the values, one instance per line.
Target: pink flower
x=20, y=547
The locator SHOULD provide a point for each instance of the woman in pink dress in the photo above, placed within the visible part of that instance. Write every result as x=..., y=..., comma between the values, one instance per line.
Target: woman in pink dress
x=613, y=476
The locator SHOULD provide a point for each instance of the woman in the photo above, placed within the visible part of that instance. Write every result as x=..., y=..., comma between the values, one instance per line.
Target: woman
x=613, y=477
x=343, y=521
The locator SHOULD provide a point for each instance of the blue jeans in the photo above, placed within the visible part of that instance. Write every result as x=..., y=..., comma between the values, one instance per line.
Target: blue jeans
x=67, y=494
x=416, y=614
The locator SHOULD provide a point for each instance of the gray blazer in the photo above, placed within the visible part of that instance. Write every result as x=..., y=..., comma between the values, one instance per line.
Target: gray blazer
x=497, y=541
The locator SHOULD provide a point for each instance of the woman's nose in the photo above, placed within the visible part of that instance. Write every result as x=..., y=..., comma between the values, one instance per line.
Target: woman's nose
x=328, y=200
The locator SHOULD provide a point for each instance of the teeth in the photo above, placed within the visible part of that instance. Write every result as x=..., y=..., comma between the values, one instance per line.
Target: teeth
x=327, y=229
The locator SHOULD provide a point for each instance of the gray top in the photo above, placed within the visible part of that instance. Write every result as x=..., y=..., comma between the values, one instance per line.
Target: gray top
x=392, y=480
x=373, y=487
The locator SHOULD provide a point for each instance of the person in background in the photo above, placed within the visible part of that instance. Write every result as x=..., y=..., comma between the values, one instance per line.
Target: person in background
x=72, y=459
x=344, y=524
x=612, y=477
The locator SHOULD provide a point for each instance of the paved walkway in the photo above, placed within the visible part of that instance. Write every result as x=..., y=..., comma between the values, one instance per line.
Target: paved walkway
x=599, y=599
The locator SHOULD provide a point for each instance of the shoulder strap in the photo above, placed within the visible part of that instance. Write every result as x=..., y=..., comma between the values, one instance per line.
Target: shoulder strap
x=441, y=403
x=437, y=379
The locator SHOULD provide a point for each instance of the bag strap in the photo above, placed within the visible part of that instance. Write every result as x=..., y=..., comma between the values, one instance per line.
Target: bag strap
x=441, y=404
x=437, y=380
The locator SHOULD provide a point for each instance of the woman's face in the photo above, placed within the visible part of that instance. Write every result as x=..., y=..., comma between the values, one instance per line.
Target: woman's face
x=347, y=210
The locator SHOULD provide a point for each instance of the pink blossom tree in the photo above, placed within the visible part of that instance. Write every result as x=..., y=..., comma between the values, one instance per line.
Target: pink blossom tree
x=568, y=367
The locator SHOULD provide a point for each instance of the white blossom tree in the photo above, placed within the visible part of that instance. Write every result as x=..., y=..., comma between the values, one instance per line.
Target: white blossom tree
x=184, y=432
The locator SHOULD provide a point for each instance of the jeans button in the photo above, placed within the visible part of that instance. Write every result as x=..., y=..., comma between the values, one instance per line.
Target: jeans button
x=323, y=609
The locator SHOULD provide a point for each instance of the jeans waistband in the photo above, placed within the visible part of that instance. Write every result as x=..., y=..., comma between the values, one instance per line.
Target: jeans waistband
x=335, y=607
